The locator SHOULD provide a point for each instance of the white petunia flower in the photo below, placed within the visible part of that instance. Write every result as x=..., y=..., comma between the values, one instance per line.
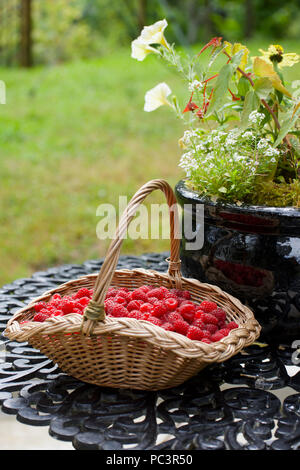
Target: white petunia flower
x=157, y=97
x=140, y=49
x=154, y=34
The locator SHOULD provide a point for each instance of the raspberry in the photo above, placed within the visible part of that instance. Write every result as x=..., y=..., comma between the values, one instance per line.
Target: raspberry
x=120, y=300
x=109, y=305
x=181, y=326
x=220, y=314
x=171, y=303
x=56, y=297
x=168, y=326
x=146, y=308
x=217, y=336
x=224, y=331
x=159, y=309
x=112, y=292
x=207, y=318
x=40, y=316
x=145, y=315
x=134, y=305
x=138, y=294
x=231, y=325
x=211, y=328
x=195, y=333
x=83, y=301
x=119, y=311
x=67, y=306
x=187, y=310
x=208, y=306
x=173, y=316
x=155, y=320
x=199, y=323
x=206, y=340
x=58, y=313
x=83, y=292
x=134, y=314
x=157, y=292
x=38, y=307
x=145, y=289
x=125, y=294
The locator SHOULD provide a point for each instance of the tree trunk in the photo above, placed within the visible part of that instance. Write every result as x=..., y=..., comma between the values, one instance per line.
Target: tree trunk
x=249, y=19
x=142, y=14
x=25, y=33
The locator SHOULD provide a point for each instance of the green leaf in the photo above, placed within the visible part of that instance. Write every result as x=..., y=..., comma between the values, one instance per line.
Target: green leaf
x=263, y=87
x=287, y=124
x=243, y=86
x=251, y=103
x=222, y=83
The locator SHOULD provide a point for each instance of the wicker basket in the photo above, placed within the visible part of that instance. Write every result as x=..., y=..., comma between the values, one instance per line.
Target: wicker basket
x=125, y=352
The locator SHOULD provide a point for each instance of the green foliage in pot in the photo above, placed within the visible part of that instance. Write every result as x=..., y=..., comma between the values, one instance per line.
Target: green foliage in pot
x=241, y=140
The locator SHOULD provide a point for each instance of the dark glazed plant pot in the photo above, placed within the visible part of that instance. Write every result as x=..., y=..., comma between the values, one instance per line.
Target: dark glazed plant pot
x=253, y=253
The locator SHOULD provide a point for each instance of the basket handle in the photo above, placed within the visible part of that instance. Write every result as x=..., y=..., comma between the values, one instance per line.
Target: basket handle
x=95, y=311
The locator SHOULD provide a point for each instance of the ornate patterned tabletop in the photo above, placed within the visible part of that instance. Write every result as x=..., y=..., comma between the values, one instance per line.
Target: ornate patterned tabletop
x=250, y=402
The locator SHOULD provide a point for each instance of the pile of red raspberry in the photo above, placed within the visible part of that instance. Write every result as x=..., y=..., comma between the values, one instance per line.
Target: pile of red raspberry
x=171, y=309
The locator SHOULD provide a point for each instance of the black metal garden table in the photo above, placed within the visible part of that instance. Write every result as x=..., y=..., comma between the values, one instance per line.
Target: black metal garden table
x=250, y=402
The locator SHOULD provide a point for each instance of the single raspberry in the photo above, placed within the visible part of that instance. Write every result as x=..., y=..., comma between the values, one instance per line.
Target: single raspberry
x=119, y=299
x=211, y=328
x=231, y=325
x=157, y=292
x=208, y=306
x=67, y=306
x=56, y=296
x=224, y=331
x=134, y=314
x=57, y=313
x=145, y=288
x=112, y=292
x=217, y=336
x=152, y=300
x=181, y=326
x=219, y=313
x=125, y=294
x=134, y=305
x=171, y=303
x=40, y=316
x=83, y=301
x=168, y=326
x=208, y=318
x=38, y=307
x=195, y=333
x=138, y=294
x=109, y=305
x=187, y=310
x=147, y=308
x=155, y=320
x=145, y=315
x=199, y=323
x=159, y=309
x=83, y=292
x=119, y=311
x=172, y=317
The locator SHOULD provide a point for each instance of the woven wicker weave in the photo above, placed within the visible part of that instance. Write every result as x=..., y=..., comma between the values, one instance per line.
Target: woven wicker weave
x=125, y=352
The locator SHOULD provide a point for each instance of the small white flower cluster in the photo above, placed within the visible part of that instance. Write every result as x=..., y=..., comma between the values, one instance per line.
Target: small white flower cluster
x=227, y=160
x=256, y=118
x=195, y=85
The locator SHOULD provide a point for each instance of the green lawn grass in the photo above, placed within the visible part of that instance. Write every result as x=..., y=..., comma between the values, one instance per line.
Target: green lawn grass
x=74, y=136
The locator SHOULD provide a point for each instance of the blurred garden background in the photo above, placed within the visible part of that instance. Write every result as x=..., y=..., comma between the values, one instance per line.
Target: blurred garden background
x=73, y=133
